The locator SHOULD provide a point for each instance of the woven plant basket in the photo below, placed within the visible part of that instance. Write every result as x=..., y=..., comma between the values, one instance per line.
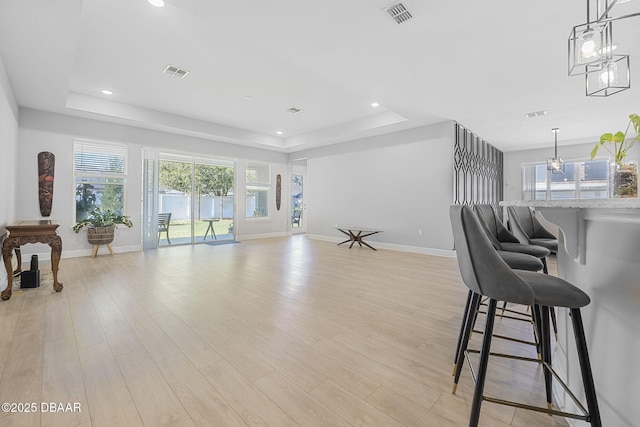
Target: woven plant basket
x=100, y=235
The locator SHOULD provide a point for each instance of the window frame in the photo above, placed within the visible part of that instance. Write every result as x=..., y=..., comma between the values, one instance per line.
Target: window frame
x=530, y=188
x=262, y=183
x=103, y=148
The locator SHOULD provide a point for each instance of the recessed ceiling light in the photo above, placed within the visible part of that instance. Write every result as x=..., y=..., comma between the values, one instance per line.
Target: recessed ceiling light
x=106, y=92
x=279, y=132
x=375, y=104
x=156, y=3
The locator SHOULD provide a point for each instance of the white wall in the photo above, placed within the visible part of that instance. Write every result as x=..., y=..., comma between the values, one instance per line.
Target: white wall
x=513, y=161
x=8, y=145
x=43, y=131
x=8, y=157
x=400, y=182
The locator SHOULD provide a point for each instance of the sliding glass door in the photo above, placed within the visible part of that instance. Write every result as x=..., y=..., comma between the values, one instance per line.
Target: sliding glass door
x=195, y=199
x=213, y=200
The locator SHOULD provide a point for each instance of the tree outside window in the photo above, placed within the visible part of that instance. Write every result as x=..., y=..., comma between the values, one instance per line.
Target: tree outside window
x=209, y=180
x=100, y=177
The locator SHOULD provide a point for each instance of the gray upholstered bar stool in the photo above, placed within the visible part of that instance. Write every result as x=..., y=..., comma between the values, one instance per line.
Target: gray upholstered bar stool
x=503, y=240
x=486, y=274
x=517, y=261
x=528, y=229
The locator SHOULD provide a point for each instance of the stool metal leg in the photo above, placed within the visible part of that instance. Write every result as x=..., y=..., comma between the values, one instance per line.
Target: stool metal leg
x=546, y=354
x=504, y=306
x=470, y=320
x=474, y=417
x=552, y=311
x=585, y=368
x=462, y=325
x=537, y=328
x=545, y=270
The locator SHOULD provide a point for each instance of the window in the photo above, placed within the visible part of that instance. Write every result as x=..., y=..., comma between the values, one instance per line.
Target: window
x=582, y=179
x=258, y=190
x=100, y=176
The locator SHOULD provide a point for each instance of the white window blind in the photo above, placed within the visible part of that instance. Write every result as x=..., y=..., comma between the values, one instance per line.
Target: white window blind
x=100, y=176
x=100, y=158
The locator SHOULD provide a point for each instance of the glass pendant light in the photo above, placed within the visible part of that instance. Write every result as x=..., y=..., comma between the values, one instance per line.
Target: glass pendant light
x=590, y=46
x=555, y=164
x=609, y=75
x=613, y=77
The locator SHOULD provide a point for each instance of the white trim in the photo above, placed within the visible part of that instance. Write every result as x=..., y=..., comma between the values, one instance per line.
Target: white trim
x=391, y=246
x=417, y=250
x=46, y=256
x=263, y=236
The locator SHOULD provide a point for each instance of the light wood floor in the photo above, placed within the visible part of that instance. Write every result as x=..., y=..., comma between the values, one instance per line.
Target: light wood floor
x=275, y=332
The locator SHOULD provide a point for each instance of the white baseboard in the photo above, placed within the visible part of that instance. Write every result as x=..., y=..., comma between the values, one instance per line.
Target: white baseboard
x=417, y=250
x=262, y=236
x=391, y=246
x=323, y=237
x=46, y=256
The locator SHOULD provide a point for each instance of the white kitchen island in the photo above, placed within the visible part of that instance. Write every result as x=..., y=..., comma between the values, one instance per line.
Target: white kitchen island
x=599, y=251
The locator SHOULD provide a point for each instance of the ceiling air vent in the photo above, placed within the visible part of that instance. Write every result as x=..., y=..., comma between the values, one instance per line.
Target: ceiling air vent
x=536, y=114
x=175, y=71
x=399, y=12
x=294, y=110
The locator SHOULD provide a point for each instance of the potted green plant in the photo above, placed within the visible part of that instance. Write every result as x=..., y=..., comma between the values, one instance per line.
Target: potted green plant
x=101, y=225
x=618, y=144
x=625, y=173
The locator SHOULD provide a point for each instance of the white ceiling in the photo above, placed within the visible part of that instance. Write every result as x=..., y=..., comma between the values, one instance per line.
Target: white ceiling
x=484, y=64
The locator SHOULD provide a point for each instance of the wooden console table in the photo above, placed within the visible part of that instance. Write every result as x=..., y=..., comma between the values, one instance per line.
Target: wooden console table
x=31, y=231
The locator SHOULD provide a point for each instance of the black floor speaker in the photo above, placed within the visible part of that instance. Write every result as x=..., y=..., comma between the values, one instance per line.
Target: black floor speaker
x=31, y=278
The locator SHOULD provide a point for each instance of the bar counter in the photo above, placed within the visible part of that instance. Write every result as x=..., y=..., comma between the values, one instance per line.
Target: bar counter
x=599, y=251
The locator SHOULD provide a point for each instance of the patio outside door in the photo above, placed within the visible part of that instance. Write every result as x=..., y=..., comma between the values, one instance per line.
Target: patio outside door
x=198, y=193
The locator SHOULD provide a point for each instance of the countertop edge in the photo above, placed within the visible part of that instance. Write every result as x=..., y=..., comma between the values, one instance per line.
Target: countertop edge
x=586, y=204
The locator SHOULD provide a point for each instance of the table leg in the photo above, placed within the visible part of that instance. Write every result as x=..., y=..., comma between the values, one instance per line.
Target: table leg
x=18, y=269
x=207, y=232
x=344, y=232
x=365, y=243
x=355, y=238
x=55, y=242
x=7, y=249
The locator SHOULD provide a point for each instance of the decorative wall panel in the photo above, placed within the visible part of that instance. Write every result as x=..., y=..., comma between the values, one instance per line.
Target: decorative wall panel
x=478, y=170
